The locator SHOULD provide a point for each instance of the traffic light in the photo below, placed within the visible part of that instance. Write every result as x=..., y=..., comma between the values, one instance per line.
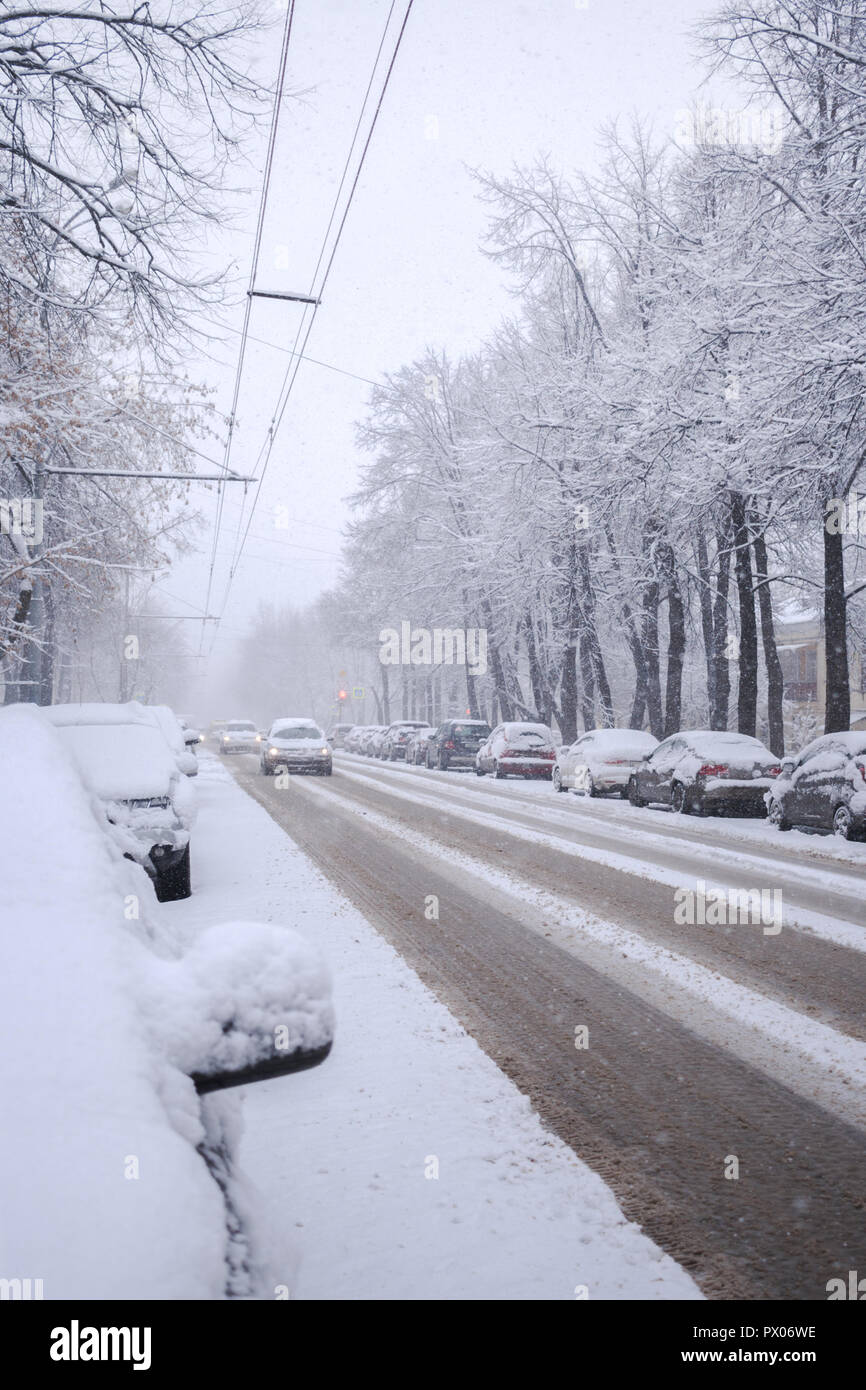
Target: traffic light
x=341, y=695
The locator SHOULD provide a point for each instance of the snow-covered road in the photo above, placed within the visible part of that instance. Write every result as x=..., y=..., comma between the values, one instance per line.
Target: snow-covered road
x=408, y=1166
x=709, y=1048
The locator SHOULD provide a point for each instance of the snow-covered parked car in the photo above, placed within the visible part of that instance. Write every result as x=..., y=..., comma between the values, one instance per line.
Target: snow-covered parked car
x=298, y=745
x=456, y=743
x=352, y=740
x=517, y=749
x=180, y=739
x=395, y=741
x=417, y=744
x=373, y=741
x=702, y=770
x=240, y=736
x=338, y=733
x=118, y=1171
x=601, y=760
x=124, y=756
x=824, y=787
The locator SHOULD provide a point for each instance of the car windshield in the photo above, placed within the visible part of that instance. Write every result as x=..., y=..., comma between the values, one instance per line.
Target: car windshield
x=241, y=726
x=297, y=731
x=471, y=730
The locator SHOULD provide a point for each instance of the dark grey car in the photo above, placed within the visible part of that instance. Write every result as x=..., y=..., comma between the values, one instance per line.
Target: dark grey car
x=824, y=787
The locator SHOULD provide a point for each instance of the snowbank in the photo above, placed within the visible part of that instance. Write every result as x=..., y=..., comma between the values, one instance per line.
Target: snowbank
x=103, y=1194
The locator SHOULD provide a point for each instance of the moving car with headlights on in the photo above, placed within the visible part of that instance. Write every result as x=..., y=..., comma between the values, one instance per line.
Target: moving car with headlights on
x=240, y=736
x=395, y=740
x=456, y=743
x=824, y=787
x=298, y=745
x=517, y=749
x=122, y=753
x=699, y=771
x=601, y=760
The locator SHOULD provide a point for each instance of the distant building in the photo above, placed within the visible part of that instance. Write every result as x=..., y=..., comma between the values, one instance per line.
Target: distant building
x=800, y=639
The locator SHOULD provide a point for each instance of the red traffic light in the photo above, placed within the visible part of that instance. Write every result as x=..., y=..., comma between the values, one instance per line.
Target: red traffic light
x=341, y=694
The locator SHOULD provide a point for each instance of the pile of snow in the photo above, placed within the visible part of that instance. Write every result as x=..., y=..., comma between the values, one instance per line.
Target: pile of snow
x=103, y=1194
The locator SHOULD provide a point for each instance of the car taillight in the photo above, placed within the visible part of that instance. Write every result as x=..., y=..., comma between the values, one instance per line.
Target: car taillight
x=774, y=771
x=713, y=770
x=861, y=767
x=617, y=762
x=449, y=743
x=551, y=754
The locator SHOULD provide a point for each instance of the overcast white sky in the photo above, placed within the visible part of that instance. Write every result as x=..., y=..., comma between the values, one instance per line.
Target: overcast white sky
x=482, y=83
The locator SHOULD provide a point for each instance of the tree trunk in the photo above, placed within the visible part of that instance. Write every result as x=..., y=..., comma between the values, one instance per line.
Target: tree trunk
x=722, y=671
x=837, y=711
x=651, y=650
x=593, y=646
x=747, y=688
x=567, y=716
x=676, y=640
x=705, y=599
x=775, y=680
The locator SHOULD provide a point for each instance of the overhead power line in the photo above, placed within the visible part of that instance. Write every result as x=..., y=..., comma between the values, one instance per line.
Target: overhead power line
x=266, y=182
x=298, y=351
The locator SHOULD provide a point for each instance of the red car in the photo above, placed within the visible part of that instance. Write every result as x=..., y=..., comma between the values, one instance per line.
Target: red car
x=518, y=750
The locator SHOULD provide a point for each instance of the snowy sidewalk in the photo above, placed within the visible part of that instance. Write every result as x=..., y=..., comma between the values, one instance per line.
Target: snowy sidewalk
x=407, y=1166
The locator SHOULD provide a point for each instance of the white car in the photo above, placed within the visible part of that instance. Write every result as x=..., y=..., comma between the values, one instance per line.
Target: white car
x=601, y=760
x=240, y=736
x=298, y=745
x=123, y=755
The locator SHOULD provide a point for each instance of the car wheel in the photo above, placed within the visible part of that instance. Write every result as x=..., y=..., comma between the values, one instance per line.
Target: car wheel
x=479, y=770
x=680, y=801
x=497, y=771
x=634, y=797
x=589, y=787
x=776, y=816
x=174, y=884
x=557, y=781
x=843, y=824
x=442, y=763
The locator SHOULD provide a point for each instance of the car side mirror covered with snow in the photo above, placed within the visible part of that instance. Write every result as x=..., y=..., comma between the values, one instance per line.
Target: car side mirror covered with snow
x=188, y=763
x=247, y=1002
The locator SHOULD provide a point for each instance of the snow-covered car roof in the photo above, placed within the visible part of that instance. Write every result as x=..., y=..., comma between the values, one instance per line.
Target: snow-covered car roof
x=708, y=740
x=518, y=726
x=121, y=762
x=286, y=721
x=852, y=740
x=618, y=738
x=93, y=712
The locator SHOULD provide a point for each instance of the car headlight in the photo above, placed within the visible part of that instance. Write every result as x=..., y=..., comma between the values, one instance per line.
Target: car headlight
x=225, y=738
x=324, y=750
x=274, y=751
